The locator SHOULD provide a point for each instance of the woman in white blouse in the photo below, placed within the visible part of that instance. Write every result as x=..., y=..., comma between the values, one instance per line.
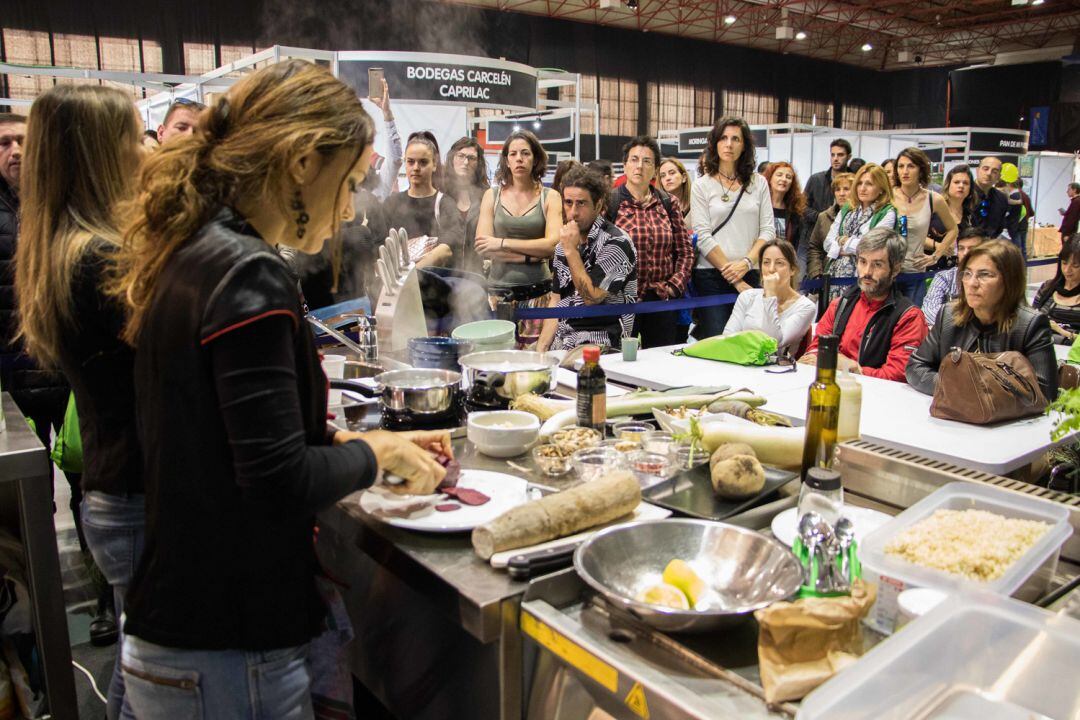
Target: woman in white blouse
x=776, y=308
x=869, y=206
x=732, y=215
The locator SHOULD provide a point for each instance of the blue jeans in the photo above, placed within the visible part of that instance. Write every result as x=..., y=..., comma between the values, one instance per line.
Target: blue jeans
x=711, y=320
x=115, y=527
x=177, y=684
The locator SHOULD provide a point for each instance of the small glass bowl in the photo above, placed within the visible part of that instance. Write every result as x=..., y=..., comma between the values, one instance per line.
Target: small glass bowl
x=680, y=457
x=574, y=438
x=649, y=463
x=552, y=465
x=621, y=446
x=593, y=462
x=633, y=430
x=659, y=441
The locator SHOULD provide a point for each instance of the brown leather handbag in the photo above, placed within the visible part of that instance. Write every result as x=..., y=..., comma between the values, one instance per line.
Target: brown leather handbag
x=982, y=388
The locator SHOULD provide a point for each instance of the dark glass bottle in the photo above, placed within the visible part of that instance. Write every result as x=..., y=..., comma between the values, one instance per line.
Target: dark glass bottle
x=822, y=408
x=591, y=391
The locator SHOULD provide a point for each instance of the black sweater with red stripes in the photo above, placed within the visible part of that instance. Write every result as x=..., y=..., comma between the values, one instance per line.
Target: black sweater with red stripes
x=231, y=409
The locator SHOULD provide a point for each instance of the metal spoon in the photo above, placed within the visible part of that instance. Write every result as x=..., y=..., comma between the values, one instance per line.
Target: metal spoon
x=808, y=534
x=826, y=579
x=845, y=534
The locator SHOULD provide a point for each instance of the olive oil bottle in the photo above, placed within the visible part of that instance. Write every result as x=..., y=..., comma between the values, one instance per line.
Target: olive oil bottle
x=822, y=408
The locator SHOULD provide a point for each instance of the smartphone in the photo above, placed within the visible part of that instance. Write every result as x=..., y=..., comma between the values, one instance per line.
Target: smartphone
x=375, y=77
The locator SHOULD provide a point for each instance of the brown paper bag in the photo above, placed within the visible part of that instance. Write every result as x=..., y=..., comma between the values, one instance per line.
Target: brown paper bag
x=802, y=644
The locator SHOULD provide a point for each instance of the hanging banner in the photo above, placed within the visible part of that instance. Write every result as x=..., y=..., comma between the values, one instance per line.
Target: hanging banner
x=694, y=141
x=433, y=78
x=547, y=129
x=998, y=141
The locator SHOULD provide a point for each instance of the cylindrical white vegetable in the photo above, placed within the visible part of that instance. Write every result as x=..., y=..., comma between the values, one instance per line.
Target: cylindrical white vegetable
x=773, y=445
x=560, y=514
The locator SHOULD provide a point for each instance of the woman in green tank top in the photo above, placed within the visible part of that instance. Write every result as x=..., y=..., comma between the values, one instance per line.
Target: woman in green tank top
x=518, y=231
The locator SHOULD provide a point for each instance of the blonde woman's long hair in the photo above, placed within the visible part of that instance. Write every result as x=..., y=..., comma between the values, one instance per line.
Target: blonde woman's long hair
x=881, y=181
x=241, y=150
x=82, y=150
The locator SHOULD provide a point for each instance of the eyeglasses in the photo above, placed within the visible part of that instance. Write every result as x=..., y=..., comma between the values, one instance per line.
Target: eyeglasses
x=981, y=277
x=785, y=363
x=466, y=158
x=188, y=102
x=647, y=161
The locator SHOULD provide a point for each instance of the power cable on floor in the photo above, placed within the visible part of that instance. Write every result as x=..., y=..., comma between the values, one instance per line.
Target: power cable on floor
x=93, y=683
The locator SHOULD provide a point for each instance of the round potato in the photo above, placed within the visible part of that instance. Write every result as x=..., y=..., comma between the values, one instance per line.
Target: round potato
x=738, y=477
x=730, y=450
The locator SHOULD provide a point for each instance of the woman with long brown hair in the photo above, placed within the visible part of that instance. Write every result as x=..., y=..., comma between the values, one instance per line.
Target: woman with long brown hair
x=82, y=151
x=788, y=201
x=732, y=215
x=990, y=316
x=465, y=180
x=518, y=230
x=676, y=182
x=232, y=401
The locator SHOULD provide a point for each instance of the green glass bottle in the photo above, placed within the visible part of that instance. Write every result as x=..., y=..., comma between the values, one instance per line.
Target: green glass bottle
x=822, y=408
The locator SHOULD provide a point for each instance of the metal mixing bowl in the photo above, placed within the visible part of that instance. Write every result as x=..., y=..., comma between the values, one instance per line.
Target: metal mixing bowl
x=745, y=570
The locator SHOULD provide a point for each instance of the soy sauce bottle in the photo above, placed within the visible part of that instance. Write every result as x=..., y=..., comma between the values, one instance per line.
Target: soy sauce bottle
x=591, y=391
x=822, y=408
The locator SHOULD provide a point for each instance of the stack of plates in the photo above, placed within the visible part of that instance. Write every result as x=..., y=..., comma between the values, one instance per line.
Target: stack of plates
x=487, y=335
x=437, y=352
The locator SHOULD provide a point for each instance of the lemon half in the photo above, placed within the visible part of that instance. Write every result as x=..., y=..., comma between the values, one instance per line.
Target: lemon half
x=666, y=595
x=682, y=576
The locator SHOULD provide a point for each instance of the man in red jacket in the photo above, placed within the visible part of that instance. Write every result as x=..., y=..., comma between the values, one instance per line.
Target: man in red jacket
x=878, y=326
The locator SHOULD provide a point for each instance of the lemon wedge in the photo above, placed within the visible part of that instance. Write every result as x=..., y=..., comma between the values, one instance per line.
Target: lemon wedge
x=666, y=595
x=682, y=576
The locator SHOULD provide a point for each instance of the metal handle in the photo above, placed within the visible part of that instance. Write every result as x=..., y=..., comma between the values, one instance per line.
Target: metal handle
x=354, y=386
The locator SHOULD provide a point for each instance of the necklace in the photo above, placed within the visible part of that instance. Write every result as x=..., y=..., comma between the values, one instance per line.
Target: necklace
x=727, y=190
x=909, y=198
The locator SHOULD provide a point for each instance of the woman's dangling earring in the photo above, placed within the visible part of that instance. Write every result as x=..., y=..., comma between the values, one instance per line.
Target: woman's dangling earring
x=302, y=217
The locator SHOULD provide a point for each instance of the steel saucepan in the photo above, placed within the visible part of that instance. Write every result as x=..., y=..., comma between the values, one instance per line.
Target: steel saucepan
x=495, y=377
x=420, y=391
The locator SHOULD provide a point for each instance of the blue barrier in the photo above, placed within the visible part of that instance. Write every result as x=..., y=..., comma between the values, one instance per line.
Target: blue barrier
x=652, y=306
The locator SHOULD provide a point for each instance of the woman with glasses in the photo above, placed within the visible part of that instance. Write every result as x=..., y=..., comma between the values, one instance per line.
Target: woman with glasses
x=776, y=308
x=518, y=231
x=1059, y=298
x=465, y=181
x=990, y=316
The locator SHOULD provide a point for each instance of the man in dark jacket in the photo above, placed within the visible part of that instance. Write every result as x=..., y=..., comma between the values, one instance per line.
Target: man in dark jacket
x=992, y=214
x=819, y=192
x=1070, y=216
x=878, y=326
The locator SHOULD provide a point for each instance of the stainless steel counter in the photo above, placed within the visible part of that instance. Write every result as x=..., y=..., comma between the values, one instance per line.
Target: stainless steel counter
x=26, y=504
x=424, y=606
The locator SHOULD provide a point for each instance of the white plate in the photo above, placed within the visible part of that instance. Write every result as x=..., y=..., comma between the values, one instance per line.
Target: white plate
x=784, y=525
x=505, y=491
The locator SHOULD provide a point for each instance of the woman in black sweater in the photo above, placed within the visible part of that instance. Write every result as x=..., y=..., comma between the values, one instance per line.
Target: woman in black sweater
x=231, y=400
x=84, y=146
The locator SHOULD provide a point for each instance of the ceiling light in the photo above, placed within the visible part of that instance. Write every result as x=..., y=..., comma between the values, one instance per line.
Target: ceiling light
x=517, y=128
x=1037, y=2
x=729, y=20
x=536, y=124
x=800, y=35
x=867, y=47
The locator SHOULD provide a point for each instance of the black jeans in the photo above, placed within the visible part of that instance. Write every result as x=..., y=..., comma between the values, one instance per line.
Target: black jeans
x=659, y=328
x=710, y=321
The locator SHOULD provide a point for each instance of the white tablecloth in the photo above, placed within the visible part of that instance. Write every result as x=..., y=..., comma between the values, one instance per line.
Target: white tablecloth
x=893, y=413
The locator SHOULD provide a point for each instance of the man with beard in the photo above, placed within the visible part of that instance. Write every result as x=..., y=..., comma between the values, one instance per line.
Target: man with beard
x=878, y=326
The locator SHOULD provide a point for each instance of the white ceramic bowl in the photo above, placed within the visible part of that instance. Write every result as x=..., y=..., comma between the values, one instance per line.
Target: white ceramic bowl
x=503, y=433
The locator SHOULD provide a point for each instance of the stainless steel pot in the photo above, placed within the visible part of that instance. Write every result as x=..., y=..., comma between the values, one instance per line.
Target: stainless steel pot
x=495, y=377
x=419, y=391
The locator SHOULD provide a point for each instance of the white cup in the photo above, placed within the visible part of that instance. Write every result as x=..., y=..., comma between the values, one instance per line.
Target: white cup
x=334, y=367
